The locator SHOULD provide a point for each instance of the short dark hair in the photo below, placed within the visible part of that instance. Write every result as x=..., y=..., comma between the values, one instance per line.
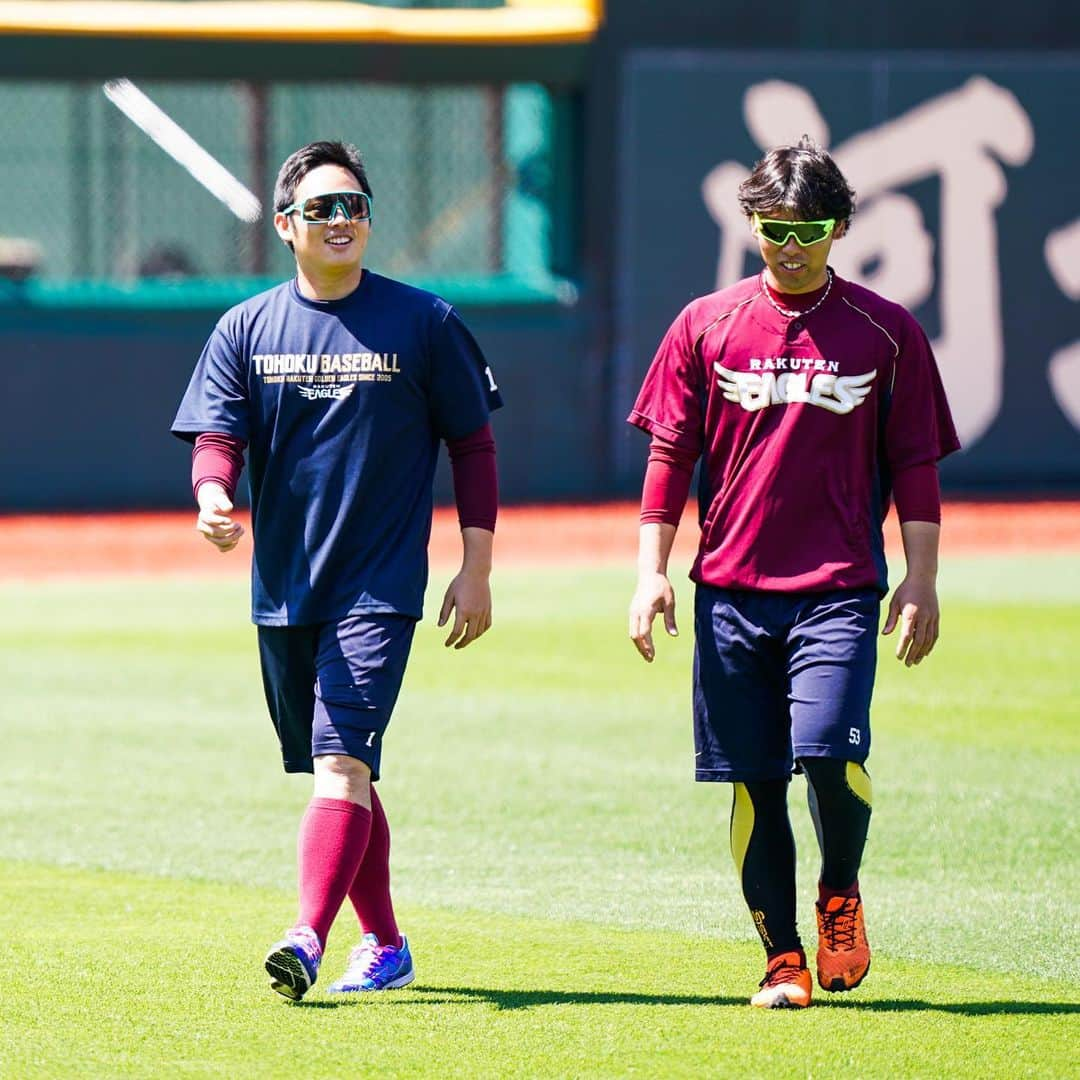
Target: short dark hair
x=803, y=179
x=297, y=165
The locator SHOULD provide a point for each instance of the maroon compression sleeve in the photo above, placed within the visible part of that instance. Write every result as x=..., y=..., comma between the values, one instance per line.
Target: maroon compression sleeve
x=217, y=457
x=917, y=493
x=667, y=482
x=476, y=483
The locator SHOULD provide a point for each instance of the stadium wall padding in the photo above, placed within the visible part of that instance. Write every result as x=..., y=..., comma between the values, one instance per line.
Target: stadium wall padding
x=91, y=395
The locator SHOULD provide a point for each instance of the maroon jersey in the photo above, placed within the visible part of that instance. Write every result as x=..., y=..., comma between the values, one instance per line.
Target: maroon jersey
x=801, y=421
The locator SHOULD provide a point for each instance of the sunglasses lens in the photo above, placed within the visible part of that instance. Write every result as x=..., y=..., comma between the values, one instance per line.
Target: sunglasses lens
x=806, y=232
x=774, y=231
x=356, y=205
x=809, y=232
x=320, y=208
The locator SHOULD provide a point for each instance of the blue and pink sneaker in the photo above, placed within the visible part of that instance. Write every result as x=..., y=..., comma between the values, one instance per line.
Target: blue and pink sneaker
x=293, y=963
x=376, y=967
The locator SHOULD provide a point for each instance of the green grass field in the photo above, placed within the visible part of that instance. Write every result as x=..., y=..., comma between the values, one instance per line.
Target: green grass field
x=566, y=886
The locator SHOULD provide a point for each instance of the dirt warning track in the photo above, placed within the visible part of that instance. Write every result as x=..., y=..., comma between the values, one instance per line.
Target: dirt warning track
x=78, y=545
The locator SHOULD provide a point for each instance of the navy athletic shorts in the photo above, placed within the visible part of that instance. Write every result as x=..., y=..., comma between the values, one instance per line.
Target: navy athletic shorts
x=779, y=676
x=332, y=687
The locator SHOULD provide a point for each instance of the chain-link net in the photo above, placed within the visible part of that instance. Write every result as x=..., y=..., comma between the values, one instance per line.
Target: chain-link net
x=460, y=175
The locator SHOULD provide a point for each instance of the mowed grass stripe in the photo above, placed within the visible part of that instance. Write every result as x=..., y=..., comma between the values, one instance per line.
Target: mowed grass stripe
x=544, y=816
x=546, y=771
x=126, y=975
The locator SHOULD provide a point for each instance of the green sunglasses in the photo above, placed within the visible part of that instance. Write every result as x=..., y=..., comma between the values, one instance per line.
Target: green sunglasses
x=320, y=209
x=806, y=233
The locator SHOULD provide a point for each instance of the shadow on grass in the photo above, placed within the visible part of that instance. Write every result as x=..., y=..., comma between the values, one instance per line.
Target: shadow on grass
x=529, y=999
x=958, y=1008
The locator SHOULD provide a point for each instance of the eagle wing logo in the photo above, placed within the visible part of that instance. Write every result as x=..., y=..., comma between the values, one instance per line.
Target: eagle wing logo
x=755, y=391
x=845, y=393
x=742, y=387
x=312, y=393
x=858, y=386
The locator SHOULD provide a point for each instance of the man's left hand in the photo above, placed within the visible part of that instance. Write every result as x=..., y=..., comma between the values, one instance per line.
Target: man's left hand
x=914, y=605
x=469, y=597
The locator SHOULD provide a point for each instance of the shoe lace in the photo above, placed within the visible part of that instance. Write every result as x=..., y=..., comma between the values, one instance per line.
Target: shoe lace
x=366, y=959
x=781, y=970
x=838, y=927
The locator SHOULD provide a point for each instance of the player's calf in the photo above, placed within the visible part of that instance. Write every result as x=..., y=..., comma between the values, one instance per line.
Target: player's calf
x=841, y=798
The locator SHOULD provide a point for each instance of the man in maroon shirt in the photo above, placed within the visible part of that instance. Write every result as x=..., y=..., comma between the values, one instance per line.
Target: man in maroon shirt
x=811, y=402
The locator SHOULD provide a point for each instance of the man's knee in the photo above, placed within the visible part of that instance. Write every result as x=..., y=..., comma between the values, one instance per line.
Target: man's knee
x=836, y=780
x=338, y=776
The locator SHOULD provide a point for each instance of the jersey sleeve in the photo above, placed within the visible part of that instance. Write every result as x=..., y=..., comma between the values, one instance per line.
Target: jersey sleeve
x=476, y=480
x=917, y=493
x=218, y=458
x=462, y=389
x=671, y=401
x=216, y=398
x=668, y=474
x=919, y=429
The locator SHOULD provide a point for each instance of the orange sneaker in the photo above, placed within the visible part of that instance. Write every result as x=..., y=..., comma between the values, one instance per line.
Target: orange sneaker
x=787, y=983
x=843, y=956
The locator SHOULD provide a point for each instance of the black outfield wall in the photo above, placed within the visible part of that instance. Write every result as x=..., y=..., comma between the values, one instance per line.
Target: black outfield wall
x=90, y=396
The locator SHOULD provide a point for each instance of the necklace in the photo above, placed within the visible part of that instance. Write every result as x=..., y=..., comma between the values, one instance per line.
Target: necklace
x=798, y=314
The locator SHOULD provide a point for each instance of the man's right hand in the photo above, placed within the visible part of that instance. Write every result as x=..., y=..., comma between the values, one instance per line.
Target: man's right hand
x=653, y=595
x=214, y=521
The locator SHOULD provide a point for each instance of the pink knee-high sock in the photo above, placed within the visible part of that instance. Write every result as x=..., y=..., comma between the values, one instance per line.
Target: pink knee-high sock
x=333, y=837
x=370, y=890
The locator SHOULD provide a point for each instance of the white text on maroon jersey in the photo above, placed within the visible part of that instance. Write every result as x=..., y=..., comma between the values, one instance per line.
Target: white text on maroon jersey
x=755, y=390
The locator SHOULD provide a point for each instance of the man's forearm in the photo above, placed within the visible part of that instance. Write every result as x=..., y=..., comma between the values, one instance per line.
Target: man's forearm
x=921, y=548
x=668, y=474
x=217, y=457
x=476, y=481
x=477, y=545
x=655, y=540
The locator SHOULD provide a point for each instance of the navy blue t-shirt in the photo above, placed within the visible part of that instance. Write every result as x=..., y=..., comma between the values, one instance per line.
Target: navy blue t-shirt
x=342, y=404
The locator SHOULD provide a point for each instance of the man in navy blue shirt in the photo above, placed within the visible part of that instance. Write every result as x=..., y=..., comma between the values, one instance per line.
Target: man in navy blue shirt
x=341, y=384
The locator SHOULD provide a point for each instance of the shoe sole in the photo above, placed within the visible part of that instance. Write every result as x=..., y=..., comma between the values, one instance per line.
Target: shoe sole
x=782, y=1002
x=287, y=974
x=401, y=980
x=838, y=986
x=394, y=984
